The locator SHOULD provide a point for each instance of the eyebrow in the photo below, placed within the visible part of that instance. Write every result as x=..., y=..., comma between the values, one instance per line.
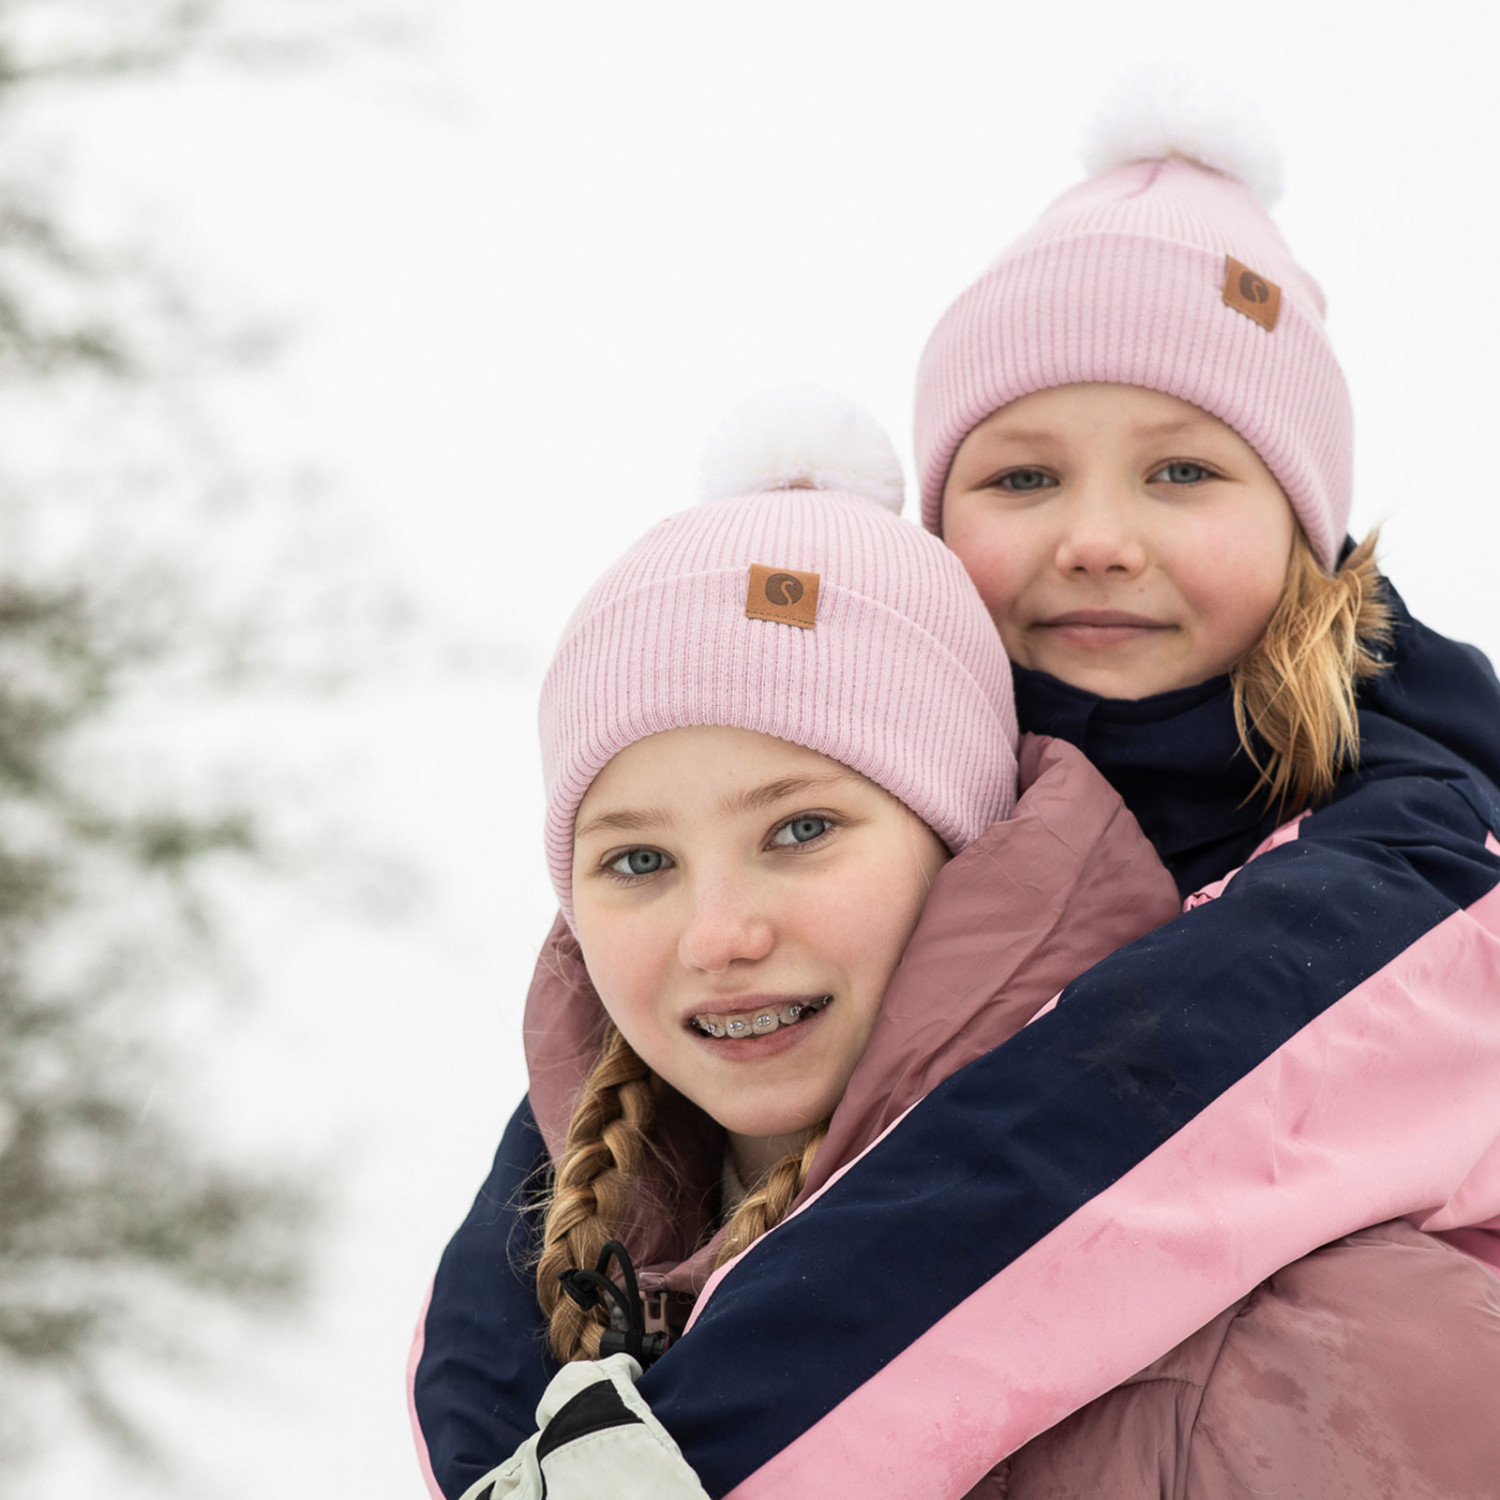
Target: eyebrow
x=755, y=799
x=1167, y=429
x=626, y=821
x=1043, y=435
x=1023, y=435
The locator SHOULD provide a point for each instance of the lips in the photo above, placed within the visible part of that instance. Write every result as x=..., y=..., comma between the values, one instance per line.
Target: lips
x=1103, y=619
x=1099, y=629
x=760, y=1020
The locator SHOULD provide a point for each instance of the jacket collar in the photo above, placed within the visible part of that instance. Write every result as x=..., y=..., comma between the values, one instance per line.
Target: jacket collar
x=1176, y=760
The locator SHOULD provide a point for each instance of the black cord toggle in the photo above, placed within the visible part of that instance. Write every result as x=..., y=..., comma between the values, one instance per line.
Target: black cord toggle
x=626, y=1333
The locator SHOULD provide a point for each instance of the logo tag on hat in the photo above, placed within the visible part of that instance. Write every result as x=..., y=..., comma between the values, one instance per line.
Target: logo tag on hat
x=1249, y=292
x=783, y=595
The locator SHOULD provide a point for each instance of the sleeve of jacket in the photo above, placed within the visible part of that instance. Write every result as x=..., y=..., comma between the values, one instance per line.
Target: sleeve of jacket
x=1311, y=1053
x=480, y=1362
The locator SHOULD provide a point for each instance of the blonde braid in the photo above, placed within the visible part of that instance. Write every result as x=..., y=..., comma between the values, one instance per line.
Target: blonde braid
x=606, y=1145
x=1294, y=690
x=771, y=1200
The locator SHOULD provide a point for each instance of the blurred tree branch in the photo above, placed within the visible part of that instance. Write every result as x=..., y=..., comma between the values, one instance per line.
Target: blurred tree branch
x=117, y=1218
x=51, y=41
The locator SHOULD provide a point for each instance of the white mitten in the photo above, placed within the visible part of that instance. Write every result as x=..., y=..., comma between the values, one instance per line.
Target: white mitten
x=596, y=1440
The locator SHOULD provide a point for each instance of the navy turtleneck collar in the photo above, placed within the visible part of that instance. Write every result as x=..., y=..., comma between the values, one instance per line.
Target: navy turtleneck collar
x=1175, y=758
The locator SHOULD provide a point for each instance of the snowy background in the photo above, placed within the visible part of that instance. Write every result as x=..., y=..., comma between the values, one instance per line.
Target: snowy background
x=528, y=257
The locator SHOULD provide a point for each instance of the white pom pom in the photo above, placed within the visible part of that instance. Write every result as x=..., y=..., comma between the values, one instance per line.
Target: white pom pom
x=801, y=437
x=1162, y=111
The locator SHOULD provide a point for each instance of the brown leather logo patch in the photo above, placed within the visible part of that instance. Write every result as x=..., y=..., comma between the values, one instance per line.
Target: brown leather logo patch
x=1249, y=292
x=782, y=594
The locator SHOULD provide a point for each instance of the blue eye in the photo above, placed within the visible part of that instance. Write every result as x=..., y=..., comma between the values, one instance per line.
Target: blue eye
x=1183, y=472
x=639, y=862
x=1025, y=481
x=801, y=830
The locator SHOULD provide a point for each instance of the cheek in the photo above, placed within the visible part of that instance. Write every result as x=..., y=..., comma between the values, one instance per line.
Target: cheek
x=993, y=555
x=875, y=917
x=1250, y=594
x=624, y=960
x=1237, y=581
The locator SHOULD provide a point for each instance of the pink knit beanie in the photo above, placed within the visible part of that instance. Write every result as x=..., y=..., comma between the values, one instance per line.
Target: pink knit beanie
x=1164, y=273
x=807, y=611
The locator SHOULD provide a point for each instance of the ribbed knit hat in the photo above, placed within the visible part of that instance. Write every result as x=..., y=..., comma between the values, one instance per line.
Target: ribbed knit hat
x=813, y=614
x=1163, y=270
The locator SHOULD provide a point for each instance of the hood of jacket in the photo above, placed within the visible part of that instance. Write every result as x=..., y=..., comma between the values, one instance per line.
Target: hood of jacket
x=1176, y=759
x=1024, y=909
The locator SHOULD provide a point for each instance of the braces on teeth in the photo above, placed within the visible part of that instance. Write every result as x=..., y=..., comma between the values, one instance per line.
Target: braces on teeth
x=762, y=1023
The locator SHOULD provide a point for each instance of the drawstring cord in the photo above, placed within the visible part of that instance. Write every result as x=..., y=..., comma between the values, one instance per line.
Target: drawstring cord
x=590, y=1288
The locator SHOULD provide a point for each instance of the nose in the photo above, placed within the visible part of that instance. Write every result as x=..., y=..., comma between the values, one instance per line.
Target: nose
x=724, y=925
x=1102, y=535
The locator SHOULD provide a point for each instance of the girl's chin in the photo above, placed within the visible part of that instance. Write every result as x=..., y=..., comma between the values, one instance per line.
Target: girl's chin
x=773, y=1124
x=1124, y=681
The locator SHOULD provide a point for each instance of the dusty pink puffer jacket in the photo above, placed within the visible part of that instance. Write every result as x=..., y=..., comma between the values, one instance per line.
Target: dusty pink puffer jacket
x=1369, y=1370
